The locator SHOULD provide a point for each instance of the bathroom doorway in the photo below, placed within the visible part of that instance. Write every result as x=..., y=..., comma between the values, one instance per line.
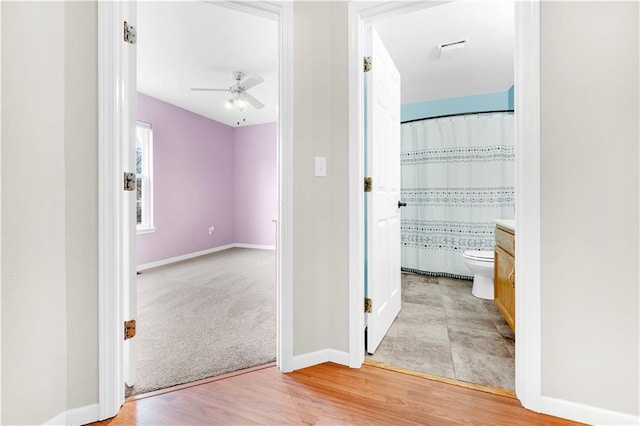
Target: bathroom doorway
x=442, y=329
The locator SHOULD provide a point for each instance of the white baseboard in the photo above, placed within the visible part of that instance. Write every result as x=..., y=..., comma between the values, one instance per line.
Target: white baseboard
x=183, y=257
x=76, y=416
x=339, y=357
x=201, y=253
x=254, y=246
x=60, y=419
x=319, y=357
x=83, y=415
x=585, y=413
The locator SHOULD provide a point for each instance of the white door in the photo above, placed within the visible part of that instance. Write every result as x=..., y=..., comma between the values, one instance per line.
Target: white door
x=128, y=161
x=383, y=212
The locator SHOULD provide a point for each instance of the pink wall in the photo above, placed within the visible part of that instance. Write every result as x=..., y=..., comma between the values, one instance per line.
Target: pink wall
x=194, y=182
x=256, y=185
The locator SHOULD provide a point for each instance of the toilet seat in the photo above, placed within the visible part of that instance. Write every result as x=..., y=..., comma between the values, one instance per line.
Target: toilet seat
x=479, y=255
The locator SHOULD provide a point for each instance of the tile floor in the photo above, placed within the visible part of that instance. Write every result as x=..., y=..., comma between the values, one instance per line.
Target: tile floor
x=444, y=330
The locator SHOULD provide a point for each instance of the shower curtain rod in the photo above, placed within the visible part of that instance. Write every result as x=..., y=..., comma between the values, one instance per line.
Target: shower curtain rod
x=456, y=115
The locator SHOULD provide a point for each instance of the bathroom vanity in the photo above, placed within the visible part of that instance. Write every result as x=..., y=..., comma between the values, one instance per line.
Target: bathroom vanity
x=505, y=271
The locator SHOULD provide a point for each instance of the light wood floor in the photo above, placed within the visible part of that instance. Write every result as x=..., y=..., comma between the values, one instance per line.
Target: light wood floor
x=327, y=394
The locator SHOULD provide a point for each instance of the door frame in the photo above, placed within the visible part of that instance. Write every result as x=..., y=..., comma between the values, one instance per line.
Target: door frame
x=113, y=64
x=527, y=185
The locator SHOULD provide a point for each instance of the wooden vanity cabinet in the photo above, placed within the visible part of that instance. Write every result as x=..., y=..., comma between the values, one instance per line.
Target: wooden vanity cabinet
x=504, y=275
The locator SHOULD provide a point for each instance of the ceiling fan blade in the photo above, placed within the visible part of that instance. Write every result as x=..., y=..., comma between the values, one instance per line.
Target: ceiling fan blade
x=206, y=89
x=253, y=101
x=249, y=81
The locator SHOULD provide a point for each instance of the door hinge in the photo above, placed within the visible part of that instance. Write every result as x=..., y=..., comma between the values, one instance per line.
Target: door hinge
x=129, y=181
x=129, y=329
x=367, y=63
x=368, y=184
x=129, y=33
x=368, y=305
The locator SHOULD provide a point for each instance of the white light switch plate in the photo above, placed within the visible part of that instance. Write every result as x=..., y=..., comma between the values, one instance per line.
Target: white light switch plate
x=321, y=166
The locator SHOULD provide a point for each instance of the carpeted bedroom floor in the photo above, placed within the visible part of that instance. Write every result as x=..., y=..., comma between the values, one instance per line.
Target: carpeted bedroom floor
x=204, y=317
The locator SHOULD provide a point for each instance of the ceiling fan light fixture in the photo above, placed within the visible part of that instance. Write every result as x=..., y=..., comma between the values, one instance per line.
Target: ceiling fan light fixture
x=239, y=99
x=241, y=104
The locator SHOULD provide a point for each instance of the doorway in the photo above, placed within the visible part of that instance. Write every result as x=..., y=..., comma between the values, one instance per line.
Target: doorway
x=117, y=65
x=205, y=233
x=527, y=192
x=455, y=116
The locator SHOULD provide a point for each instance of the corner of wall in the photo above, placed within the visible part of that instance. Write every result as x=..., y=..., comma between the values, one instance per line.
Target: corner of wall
x=81, y=200
x=320, y=357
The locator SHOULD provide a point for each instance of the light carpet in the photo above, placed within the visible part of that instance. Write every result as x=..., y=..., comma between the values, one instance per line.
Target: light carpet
x=205, y=317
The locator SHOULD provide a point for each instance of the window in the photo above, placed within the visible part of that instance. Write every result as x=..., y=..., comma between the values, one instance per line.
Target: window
x=144, y=193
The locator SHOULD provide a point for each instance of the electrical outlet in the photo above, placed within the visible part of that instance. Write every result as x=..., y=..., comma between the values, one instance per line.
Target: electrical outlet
x=211, y=229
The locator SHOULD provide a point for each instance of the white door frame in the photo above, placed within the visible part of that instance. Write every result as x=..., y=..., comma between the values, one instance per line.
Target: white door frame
x=112, y=59
x=527, y=185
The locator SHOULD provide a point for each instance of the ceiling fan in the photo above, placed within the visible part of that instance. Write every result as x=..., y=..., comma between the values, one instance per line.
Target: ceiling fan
x=239, y=96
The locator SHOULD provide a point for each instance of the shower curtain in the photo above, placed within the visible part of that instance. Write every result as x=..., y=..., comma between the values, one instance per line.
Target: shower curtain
x=457, y=176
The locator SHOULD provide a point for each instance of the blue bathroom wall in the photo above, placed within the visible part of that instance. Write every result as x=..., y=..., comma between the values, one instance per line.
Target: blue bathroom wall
x=510, y=94
x=498, y=101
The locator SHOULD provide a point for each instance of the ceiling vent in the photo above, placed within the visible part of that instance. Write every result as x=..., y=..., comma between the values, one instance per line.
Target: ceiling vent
x=452, y=49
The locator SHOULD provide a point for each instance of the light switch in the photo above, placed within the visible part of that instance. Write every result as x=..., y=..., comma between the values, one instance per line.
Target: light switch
x=321, y=166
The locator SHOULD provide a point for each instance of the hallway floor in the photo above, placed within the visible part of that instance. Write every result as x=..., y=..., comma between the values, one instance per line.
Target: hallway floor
x=327, y=394
x=445, y=331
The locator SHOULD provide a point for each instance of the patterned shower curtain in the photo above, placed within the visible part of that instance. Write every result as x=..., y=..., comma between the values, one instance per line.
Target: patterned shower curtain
x=457, y=176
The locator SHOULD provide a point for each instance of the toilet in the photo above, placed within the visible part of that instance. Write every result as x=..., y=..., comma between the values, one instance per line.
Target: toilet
x=481, y=264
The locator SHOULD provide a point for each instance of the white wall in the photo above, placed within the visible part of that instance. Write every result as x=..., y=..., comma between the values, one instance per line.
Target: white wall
x=49, y=210
x=320, y=234
x=34, y=305
x=589, y=197
x=81, y=178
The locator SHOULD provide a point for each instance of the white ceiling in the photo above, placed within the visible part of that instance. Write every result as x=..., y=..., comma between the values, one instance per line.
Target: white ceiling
x=199, y=44
x=487, y=63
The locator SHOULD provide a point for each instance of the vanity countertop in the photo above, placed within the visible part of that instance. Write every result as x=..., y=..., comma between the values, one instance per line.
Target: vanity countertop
x=506, y=223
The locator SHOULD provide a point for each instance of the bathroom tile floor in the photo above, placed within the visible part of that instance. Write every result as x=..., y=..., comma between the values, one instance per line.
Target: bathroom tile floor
x=444, y=330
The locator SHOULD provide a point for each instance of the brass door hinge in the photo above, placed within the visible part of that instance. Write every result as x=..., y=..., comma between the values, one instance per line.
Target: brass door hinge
x=368, y=305
x=129, y=329
x=368, y=184
x=130, y=33
x=367, y=63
